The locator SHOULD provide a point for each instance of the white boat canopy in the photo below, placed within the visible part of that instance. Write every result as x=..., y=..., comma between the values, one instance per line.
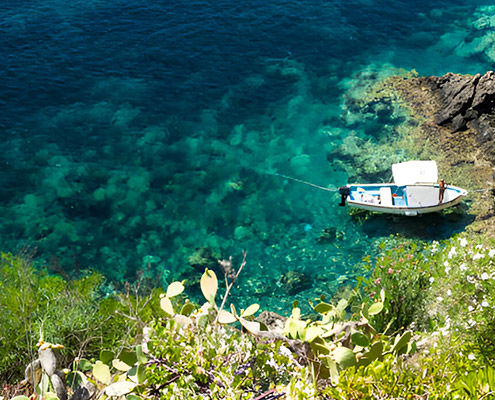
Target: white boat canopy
x=412, y=172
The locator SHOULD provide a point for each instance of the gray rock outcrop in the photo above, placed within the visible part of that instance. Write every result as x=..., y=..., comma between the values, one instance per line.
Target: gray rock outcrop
x=464, y=98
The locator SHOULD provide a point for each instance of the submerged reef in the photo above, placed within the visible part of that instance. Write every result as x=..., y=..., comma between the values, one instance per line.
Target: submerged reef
x=475, y=36
x=130, y=193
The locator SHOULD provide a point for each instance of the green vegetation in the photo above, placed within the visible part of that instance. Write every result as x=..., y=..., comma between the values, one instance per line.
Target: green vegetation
x=420, y=326
x=36, y=305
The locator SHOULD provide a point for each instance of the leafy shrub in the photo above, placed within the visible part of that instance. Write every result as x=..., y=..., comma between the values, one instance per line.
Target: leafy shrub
x=35, y=304
x=436, y=373
x=195, y=353
x=352, y=349
x=403, y=272
x=195, y=362
x=192, y=354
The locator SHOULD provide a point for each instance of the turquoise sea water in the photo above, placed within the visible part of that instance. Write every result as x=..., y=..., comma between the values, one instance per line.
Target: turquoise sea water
x=136, y=132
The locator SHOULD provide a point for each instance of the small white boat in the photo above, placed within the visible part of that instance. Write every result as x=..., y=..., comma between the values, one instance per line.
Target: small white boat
x=414, y=191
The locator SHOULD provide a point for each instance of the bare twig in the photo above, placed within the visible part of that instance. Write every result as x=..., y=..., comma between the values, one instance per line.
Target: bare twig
x=229, y=272
x=271, y=394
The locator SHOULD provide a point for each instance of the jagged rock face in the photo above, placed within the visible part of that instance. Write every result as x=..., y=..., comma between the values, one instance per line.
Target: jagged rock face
x=465, y=98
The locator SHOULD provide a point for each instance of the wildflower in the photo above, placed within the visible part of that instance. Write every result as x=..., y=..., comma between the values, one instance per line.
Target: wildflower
x=446, y=264
x=463, y=242
x=431, y=279
x=485, y=276
x=484, y=304
x=452, y=252
x=479, y=246
x=378, y=281
x=471, y=323
x=491, y=253
x=470, y=279
x=477, y=256
x=471, y=357
x=272, y=363
x=447, y=270
x=470, y=308
x=449, y=292
x=390, y=271
x=284, y=351
x=462, y=267
x=444, y=331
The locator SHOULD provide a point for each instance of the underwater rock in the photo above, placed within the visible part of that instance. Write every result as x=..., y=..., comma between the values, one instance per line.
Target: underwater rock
x=300, y=163
x=328, y=235
x=203, y=258
x=241, y=233
x=295, y=281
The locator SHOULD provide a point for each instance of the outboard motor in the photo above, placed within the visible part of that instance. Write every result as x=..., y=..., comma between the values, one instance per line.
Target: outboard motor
x=344, y=192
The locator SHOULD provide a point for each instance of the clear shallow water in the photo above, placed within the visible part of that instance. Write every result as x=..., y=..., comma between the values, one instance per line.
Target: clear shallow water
x=134, y=133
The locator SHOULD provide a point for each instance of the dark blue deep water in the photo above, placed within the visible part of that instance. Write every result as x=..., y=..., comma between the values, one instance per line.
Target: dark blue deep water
x=134, y=133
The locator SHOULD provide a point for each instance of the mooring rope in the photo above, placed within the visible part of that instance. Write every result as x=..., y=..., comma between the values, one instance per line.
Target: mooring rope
x=303, y=182
x=335, y=190
x=479, y=190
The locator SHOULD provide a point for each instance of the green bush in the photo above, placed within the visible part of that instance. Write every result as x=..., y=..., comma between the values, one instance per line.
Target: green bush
x=442, y=370
x=403, y=272
x=38, y=305
x=422, y=326
x=197, y=361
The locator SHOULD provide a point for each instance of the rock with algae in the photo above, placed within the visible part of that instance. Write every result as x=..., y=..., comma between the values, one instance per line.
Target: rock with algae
x=203, y=258
x=330, y=235
x=295, y=281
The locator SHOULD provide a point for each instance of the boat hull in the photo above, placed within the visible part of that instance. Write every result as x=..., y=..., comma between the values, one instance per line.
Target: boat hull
x=409, y=200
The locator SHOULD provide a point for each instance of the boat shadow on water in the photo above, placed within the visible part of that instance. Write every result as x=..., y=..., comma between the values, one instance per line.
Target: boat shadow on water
x=433, y=226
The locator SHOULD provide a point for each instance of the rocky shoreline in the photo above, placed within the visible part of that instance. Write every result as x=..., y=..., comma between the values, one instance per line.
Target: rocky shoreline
x=468, y=104
x=465, y=115
x=452, y=120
